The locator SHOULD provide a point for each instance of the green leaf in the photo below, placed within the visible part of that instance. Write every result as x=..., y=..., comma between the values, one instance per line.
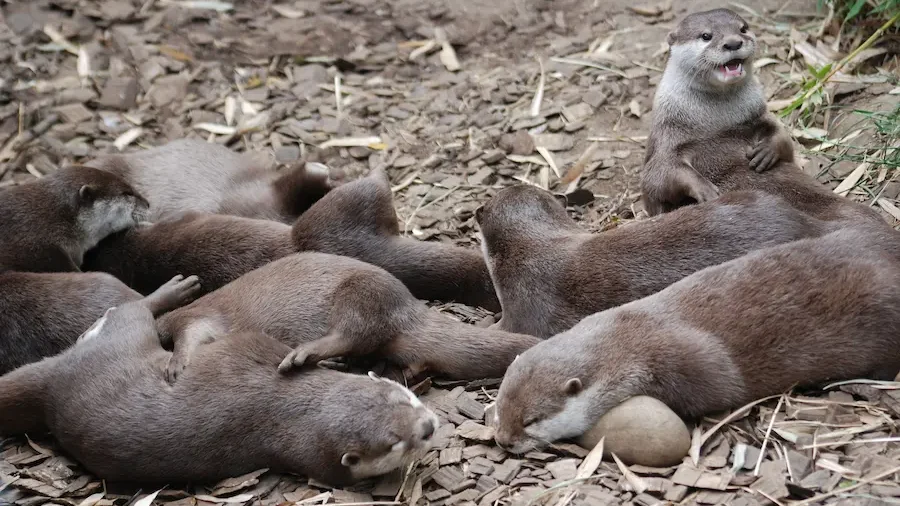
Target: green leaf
x=855, y=9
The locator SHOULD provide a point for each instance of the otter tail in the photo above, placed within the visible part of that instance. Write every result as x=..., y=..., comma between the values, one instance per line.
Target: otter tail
x=22, y=399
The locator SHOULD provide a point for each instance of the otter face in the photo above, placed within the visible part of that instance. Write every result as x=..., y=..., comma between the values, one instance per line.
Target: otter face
x=107, y=204
x=400, y=426
x=538, y=404
x=715, y=48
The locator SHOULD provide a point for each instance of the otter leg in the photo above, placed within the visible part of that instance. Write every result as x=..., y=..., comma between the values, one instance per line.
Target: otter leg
x=695, y=186
x=332, y=345
x=177, y=292
x=196, y=334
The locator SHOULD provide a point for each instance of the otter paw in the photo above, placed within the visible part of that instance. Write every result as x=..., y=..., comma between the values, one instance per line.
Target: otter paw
x=763, y=156
x=175, y=368
x=295, y=359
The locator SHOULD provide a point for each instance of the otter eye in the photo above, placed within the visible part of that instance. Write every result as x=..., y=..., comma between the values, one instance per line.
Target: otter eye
x=744, y=29
x=531, y=420
x=706, y=36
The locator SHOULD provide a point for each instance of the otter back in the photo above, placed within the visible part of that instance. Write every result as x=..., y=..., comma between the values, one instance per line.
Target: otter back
x=217, y=248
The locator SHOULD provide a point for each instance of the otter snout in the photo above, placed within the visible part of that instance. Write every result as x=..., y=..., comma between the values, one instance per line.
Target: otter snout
x=733, y=43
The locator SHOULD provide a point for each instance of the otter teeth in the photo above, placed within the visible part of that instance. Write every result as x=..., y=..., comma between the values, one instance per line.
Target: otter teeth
x=733, y=69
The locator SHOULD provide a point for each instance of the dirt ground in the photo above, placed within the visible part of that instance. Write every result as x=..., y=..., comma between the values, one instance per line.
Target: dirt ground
x=436, y=91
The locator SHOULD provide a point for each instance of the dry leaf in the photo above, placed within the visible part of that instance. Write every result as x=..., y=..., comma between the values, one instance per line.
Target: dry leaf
x=546, y=154
x=204, y=4
x=59, y=40
x=147, y=500
x=637, y=484
x=890, y=208
x=762, y=62
x=216, y=129
x=288, y=12
x=128, y=137
x=448, y=55
x=635, y=108
x=350, y=142
x=242, y=498
x=539, y=94
x=852, y=179
x=91, y=500
x=84, y=63
x=422, y=50
x=526, y=159
x=175, y=54
x=230, y=109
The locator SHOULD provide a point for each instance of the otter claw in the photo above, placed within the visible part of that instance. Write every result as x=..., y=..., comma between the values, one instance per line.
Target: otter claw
x=762, y=157
x=294, y=359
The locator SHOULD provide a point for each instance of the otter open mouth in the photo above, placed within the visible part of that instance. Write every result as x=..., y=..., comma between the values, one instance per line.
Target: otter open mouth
x=733, y=68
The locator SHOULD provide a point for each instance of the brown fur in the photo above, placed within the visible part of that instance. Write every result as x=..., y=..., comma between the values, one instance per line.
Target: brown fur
x=330, y=306
x=706, y=137
x=550, y=273
x=48, y=224
x=215, y=247
x=192, y=175
x=803, y=313
x=107, y=403
x=358, y=220
x=42, y=314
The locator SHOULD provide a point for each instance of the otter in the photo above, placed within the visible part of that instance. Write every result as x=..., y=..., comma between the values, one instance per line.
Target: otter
x=549, y=273
x=193, y=175
x=712, y=132
x=328, y=306
x=49, y=223
x=42, y=314
x=218, y=248
x=358, y=220
x=230, y=414
x=802, y=313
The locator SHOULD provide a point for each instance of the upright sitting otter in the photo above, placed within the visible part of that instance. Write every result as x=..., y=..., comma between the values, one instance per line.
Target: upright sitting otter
x=42, y=314
x=192, y=175
x=806, y=312
x=48, y=224
x=358, y=220
x=549, y=273
x=217, y=247
x=107, y=403
x=711, y=127
x=328, y=306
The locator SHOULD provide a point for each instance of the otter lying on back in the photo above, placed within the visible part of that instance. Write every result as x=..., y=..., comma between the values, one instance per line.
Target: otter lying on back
x=107, y=403
x=193, y=175
x=711, y=127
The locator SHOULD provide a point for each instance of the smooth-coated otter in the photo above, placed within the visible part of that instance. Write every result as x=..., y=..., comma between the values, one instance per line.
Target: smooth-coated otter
x=358, y=220
x=193, y=175
x=802, y=313
x=42, y=314
x=49, y=223
x=549, y=273
x=328, y=306
x=107, y=402
x=216, y=247
x=711, y=127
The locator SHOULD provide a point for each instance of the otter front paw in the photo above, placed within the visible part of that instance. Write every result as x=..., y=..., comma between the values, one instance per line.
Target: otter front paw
x=175, y=368
x=763, y=156
x=295, y=359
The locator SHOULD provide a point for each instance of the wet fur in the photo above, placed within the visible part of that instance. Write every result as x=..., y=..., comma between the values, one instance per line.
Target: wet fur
x=329, y=306
x=804, y=313
x=705, y=138
x=549, y=273
x=192, y=175
x=358, y=220
x=42, y=314
x=49, y=223
x=215, y=247
x=107, y=403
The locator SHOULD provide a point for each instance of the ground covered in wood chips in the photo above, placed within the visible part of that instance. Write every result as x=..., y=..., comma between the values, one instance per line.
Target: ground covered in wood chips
x=456, y=99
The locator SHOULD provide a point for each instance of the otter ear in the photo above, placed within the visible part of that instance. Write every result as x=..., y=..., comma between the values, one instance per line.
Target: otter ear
x=478, y=213
x=87, y=193
x=573, y=386
x=670, y=38
x=349, y=459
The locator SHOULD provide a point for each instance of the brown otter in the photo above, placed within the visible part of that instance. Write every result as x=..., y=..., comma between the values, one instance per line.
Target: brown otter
x=358, y=220
x=806, y=312
x=42, y=314
x=216, y=247
x=711, y=126
x=49, y=223
x=549, y=273
x=230, y=414
x=192, y=175
x=329, y=306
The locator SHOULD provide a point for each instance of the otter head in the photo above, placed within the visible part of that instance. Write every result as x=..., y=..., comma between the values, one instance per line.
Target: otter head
x=522, y=211
x=103, y=203
x=553, y=392
x=714, y=49
x=390, y=428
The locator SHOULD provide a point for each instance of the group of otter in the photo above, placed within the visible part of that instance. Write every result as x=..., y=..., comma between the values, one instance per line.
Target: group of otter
x=163, y=313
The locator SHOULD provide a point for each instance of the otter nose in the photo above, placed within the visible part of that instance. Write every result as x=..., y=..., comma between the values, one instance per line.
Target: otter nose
x=733, y=44
x=427, y=430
